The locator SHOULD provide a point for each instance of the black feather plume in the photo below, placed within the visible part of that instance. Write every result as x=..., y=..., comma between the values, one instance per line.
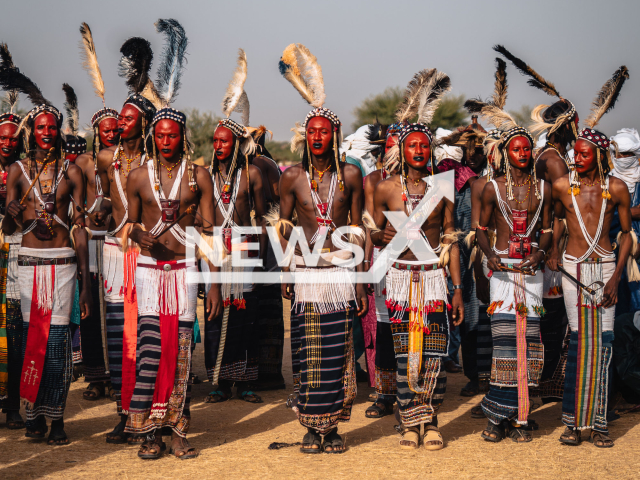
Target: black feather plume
x=474, y=105
x=536, y=79
x=71, y=107
x=500, y=88
x=12, y=79
x=6, y=61
x=135, y=63
x=607, y=96
x=170, y=70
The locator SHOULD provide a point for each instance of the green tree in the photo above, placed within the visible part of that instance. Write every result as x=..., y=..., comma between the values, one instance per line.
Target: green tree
x=450, y=113
x=201, y=126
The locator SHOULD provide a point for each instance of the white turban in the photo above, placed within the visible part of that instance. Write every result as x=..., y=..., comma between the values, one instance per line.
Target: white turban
x=626, y=169
x=358, y=147
x=442, y=152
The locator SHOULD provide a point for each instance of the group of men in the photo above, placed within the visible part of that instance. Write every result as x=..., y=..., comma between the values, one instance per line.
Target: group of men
x=115, y=224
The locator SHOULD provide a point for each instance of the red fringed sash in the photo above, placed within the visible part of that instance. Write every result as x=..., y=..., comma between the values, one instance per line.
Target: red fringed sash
x=130, y=334
x=37, y=339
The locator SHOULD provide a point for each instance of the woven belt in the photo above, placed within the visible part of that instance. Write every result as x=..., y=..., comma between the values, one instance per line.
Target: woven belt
x=29, y=261
x=416, y=268
x=167, y=267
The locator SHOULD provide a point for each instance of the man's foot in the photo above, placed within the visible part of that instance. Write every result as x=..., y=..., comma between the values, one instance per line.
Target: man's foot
x=57, y=436
x=78, y=371
x=311, y=442
x=379, y=409
x=152, y=447
x=94, y=391
x=118, y=436
x=38, y=430
x=14, y=420
x=519, y=435
x=136, y=439
x=111, y=392
x=181, y=449
x=249, y=396
x=600, y=440
x=477, y=412
x=471, y=389
x=432, y=438
x=333, y=443
x=570, y=436
x=410, y=438
x=493, y=433
x=452, y=367
x=218, y=396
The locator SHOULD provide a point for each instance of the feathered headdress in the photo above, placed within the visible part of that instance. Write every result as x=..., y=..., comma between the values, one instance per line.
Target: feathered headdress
x=90, y=61
x=421, y=99
x=603, y=103
x=74, y=143
x=134, y=67
x=7, y=62
x=172, y=65
x=543, y=119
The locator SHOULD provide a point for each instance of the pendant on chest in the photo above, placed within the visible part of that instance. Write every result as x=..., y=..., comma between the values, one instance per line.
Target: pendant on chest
x=226, y=238
x=322, y=207
x=169, y=209
x=226, y=198
x=519, y=247
x=519, y=221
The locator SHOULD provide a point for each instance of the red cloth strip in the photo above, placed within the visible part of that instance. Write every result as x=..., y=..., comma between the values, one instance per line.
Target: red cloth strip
x=130, y=334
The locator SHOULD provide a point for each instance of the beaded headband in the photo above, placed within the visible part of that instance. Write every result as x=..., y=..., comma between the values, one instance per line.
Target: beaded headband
x=10, y=118
x=236, y=128
x=169, y=113
x=102, y=114
x=508, y=135
x=44, y=108
x=595, y=137
x=323, y=112
x=410, y=128
x=394, y=128
x=75, y=145
x=142, y=104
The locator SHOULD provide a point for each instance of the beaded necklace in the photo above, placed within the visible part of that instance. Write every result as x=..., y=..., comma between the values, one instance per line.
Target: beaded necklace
x=169, y=169
x=121, y=156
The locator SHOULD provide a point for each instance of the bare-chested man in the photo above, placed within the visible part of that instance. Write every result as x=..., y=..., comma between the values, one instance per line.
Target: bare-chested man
x=115, y=164
x=238, y=194
x=41, y=187
x=417, y=294
x=588, y=208
x=520, y=206
x=158, y=194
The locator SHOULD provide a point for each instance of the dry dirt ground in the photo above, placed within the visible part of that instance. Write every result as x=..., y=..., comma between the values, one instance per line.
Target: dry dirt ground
x=234, y=437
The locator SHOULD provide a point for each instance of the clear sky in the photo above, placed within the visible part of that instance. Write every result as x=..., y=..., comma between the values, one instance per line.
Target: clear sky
x=362, y=46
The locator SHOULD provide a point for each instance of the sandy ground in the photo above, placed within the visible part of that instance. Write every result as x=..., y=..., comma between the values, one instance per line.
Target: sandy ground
x=234, y=437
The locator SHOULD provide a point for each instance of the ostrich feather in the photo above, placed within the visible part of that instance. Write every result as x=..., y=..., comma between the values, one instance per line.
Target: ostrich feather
x=301, y=68
x=7, y=62
x=243, y=108
x=90, y=61
x=71, y=108
x=172, y=65
x=408, y=109
x=235, y=89
x=13, y=79
x=607, y=96
x=500, y=86
x=491, y=113
x=536, y=79
x=431, y=96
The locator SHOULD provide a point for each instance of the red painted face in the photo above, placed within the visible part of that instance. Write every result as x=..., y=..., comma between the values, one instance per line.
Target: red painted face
x=519, y=150
x=45, y=130
x=584, y=156
x=108, y=131
x=223, y=143
x=8, y=143
x=417, y=150
x=168, y=138
x=392, y=141
x=319, y=135
x=130, y=122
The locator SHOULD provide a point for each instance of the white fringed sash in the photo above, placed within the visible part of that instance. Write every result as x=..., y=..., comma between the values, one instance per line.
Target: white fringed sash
x=503, y=291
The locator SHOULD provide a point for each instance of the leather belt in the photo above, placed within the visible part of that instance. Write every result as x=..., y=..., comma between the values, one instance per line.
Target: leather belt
x=29, y=261
x=167, y=267
x=415, y=268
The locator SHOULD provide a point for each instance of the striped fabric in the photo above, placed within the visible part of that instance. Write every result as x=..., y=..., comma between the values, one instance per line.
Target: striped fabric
x=56, y=375
x=327, y=367
x=178, y=415
x=588, y=365
x=14, y=344
x=501, y=403
x=296, y=345
x=385, y=384
x=4, y=348
x=115, y=331
x=555, y=338
x=416, y=408
x=485, y=344
x=91, y=331
x=241, y=353
x=573, y=406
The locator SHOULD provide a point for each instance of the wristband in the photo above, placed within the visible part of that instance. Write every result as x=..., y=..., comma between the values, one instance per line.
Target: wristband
x=484, y=229
x=457, y=287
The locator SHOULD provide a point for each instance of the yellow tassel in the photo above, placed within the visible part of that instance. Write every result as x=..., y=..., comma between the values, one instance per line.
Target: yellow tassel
x=606, y=194
x=574, y=190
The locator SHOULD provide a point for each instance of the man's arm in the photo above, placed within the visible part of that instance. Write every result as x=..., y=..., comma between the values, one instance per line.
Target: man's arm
x=259, y=202
x=486, y=211
x=533, y=260
x=287, y=204
x=620, y=192
x=448, y=227
x=137, y=234
x=558, y=188
x=81, y=239
x=386, y=231
x=482, y=282
x=369, y=188
x=14, y=193
x=353, y=179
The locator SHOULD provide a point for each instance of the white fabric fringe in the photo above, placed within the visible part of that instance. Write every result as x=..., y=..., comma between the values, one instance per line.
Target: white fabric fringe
x=502, y=285
x=328, y=289
x=113, y=270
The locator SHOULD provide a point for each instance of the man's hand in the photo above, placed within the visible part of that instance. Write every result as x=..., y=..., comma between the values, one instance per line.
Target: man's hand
x=362, y=300
x=457, y=307
x=100, y=217
x=388, y=233
x=610, y=295
x=214, y=302
x=530, y=262
x=144, y=239
x=287, y=290
x=14, y=208
x=85, y=302
x=554, y=260
x=482, y=288
x=494, y=263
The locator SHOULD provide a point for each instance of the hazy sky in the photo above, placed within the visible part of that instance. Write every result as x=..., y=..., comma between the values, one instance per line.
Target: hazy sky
x=362, y=46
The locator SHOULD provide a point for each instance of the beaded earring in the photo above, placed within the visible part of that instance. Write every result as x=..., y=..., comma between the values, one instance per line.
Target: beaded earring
x=314, y=184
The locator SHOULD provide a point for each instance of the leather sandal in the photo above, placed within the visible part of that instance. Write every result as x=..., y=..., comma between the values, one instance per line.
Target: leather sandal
x=152, y=448
x=411, y=437
x=432, y=438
